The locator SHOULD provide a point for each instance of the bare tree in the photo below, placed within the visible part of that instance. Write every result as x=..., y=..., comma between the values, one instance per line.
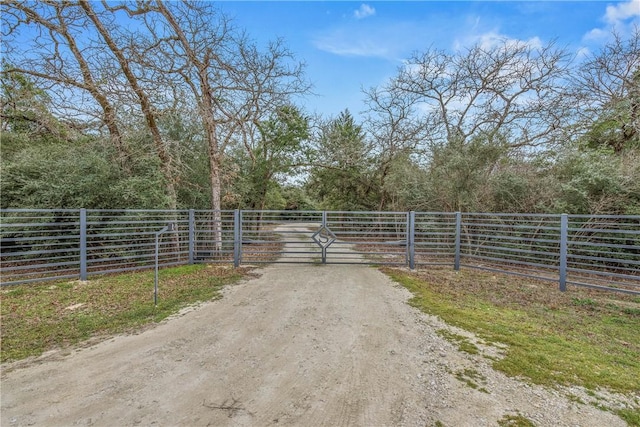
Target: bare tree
x=144, y=100
x=396, y=133
x=78, y=51
x=182, y=48
x=458, y=114
x=234, y=84
x=509, y=89
x=58, y=62
x=606, y=87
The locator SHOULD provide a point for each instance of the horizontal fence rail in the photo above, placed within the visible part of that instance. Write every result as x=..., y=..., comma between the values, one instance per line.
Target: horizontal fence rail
x=212, y=238
x=598, y=251
x=118, y=240
x=38, y=245
x=603, y=251
x=435, y=238
x=366, y=237
x=515, y=243
x=278, y=236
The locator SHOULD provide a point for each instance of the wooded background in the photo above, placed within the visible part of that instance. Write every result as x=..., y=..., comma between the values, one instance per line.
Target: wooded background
x=169, y=105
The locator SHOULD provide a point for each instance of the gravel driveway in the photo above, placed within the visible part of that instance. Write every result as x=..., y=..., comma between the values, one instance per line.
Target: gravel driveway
x=306, y=345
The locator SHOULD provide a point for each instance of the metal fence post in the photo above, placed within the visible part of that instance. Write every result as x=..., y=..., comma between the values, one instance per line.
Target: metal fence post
x=192, y=235
x=456, y=261
x=564, y=240
x=324, y=248
x=170, y=227
x=237, y=237
x=411, y=233
x=83, y=244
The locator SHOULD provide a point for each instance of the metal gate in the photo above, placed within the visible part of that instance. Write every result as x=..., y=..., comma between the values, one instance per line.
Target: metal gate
x=325, y=237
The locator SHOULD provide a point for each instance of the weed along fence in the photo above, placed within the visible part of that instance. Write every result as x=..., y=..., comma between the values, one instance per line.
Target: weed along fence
x=581, y=250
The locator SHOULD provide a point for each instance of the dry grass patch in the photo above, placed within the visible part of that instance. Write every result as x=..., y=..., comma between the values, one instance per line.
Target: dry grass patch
x=40, y=317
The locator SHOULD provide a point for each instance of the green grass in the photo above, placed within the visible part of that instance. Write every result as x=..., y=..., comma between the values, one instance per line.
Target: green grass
x=471, y=378
x=40, y=317
x=581, y=337
x=462, y=342
x=515, y=421
x=631, y=416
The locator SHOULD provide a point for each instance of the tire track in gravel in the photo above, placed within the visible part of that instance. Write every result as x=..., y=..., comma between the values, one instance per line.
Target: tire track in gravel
x=304, y=345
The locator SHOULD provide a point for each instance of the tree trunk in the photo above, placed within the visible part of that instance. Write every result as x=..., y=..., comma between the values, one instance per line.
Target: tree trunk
x=143, y=98
x=216, y=191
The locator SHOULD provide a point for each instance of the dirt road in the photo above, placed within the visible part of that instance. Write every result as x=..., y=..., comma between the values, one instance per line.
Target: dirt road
x=299, y=345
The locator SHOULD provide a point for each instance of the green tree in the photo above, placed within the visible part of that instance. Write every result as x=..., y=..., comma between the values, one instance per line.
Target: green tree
x=342, y=176
x=597, y=182
x=458, y=173
x=523, y=184
x=25, y=115
x=71, y=176
x=280, y=150
x=406, y=185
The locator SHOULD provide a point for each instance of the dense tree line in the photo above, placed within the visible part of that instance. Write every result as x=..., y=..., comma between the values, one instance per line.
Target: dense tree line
x=168, y=105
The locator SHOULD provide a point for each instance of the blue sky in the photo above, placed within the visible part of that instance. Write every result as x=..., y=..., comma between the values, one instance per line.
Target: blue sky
x=351, y=45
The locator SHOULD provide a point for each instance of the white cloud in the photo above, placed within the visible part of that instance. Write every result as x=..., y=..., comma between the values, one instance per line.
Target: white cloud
x=492, y=39
x=621, y=18
x=364, y=11
x=351, y=47
x=380, y=41
x=596, y=34
x=359, y=48
x=622, y=12
x=583, y=52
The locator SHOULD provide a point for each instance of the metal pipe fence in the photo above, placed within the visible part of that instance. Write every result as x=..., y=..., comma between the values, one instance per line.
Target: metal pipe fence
x=124, y=240
x=366, y=237
x=211, y=236
x=603, y=251
x=580, y=250
x=39, y=245
x=277, y=236
x=519, y=243
x=435, y=238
